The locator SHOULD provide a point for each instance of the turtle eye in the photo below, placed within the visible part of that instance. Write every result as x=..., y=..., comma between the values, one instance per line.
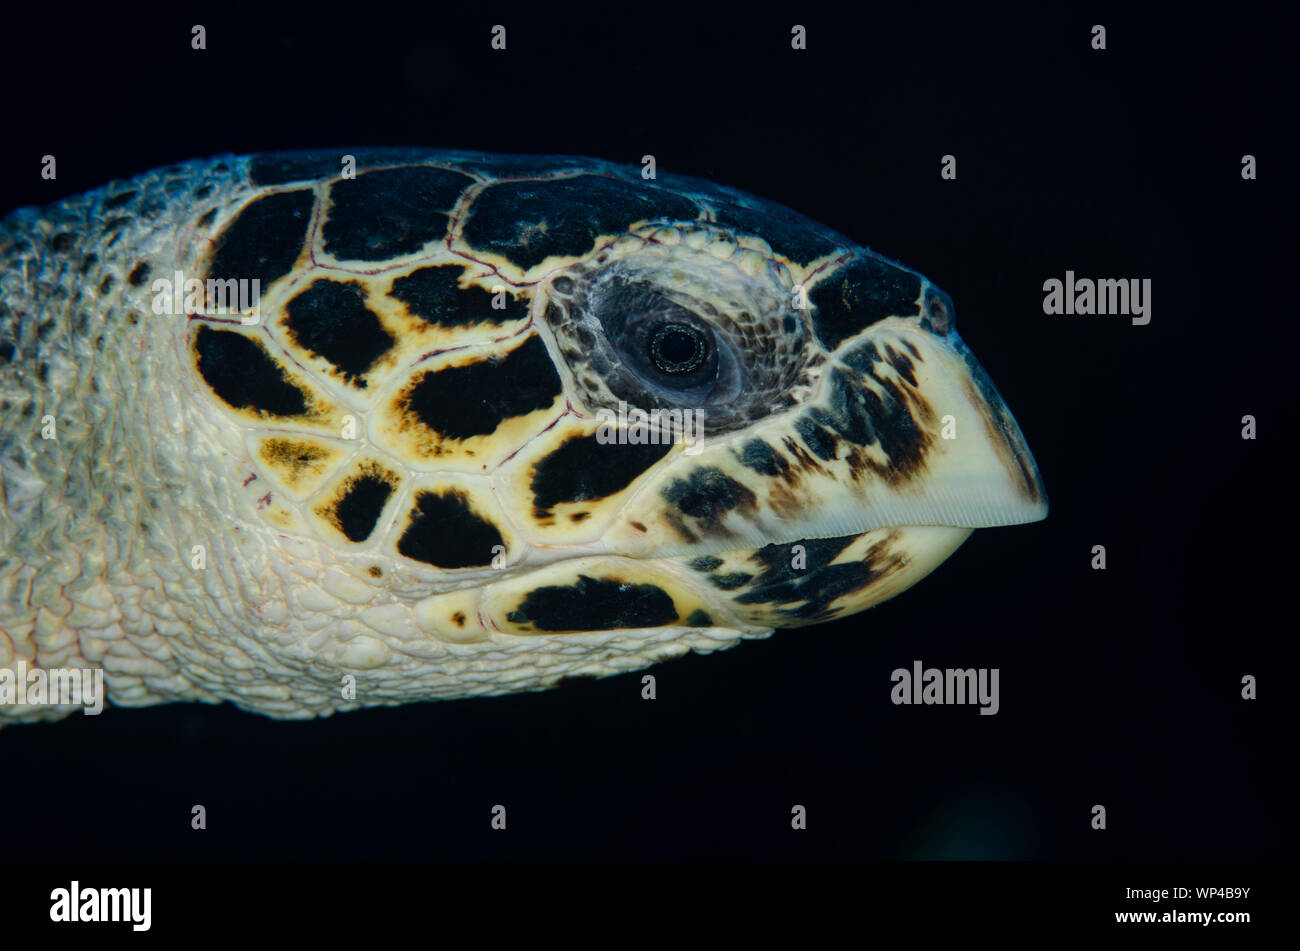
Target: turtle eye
x=668, y=351
x=671, y=349
x=677, y=348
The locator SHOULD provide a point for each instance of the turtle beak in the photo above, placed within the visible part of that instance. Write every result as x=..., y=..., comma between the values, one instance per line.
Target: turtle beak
x=905, y=428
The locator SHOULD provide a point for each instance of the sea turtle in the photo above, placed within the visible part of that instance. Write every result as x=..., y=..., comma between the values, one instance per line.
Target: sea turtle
x=414, y=461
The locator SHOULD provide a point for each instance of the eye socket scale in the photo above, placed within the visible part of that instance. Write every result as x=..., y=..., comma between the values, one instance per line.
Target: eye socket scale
x=677, y=348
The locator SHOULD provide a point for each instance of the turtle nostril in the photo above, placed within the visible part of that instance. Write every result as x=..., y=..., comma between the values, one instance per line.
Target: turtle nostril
x=939, y=315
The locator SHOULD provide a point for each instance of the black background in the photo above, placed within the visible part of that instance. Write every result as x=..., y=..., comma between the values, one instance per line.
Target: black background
x=1119, y=687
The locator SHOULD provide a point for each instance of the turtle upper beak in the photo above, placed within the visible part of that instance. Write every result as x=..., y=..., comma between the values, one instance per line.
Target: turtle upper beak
x=992, y=475
x=906, y=429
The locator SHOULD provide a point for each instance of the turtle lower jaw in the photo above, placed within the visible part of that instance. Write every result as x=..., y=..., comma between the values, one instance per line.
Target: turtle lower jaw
x=815, y=580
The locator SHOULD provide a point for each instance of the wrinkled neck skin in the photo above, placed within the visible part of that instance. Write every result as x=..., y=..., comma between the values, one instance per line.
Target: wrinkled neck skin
x=110, y=477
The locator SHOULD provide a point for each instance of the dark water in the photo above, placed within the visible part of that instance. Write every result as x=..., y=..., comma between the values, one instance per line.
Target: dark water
x=1119, y=688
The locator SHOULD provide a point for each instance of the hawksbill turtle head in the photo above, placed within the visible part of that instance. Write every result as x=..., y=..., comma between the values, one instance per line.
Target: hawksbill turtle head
x=555, y=398
x=464, y=424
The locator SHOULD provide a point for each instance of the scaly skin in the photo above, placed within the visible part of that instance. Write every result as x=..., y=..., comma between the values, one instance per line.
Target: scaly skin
x=143, y=539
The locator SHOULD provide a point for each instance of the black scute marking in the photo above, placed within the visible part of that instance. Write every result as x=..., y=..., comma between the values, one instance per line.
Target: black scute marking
x=243, y=374
x=864, y=291
x=707, y=495
x=819, y=583
x=265, y=240
x=526, y=222
x=277, y=168
x=817, y=438
x=763, y=459
x=595, y=604
x=473, y=400
x=330, y=318
x=902, y=365
x=855, y=413
x=389, y=212
x=731, y=580
x=139, y=274
x=796, y=237
x=583, y=468
x=360, y=508
x=432, y=294
x=863, y=357
x=699, y=618
x=446, y=533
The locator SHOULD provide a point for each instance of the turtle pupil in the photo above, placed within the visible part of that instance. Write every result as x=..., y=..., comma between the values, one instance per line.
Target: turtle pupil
x=677, y=348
